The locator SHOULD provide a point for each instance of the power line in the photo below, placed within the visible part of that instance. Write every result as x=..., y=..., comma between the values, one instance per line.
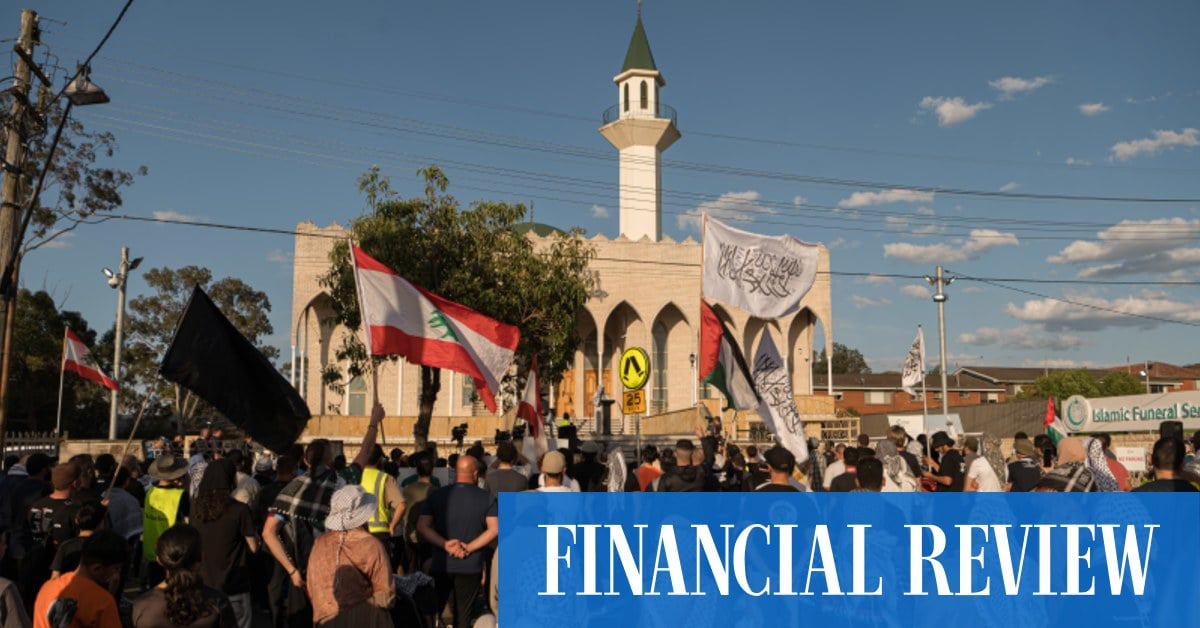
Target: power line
x=521, y=143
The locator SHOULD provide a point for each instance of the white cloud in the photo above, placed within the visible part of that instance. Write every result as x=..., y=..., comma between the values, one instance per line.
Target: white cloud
x=728, y=207
x=861, y=302
x=875, y=279
x=926, y=211
x=1093, y=108
x=896, y=221
x=799, y=201
x=1135, y=247
x=1162, y=140
x=1071, y=161
x=1023, y=337
x=972, y=289
x=1010, y=186
x=64, y=241
x=948, y=253
x=1087, y=312
x=866, y=199
x=842, y=243
x=1011, y=86
x=1059, y=363
x=279, y=256
x=915, y=291
x=927, y=230
x=952, y=111
x=599, y=211
x=174, y=216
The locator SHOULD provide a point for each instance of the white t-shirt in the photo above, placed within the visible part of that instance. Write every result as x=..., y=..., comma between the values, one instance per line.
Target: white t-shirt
x=554, y=489
x=985, y=476
x=832, y=471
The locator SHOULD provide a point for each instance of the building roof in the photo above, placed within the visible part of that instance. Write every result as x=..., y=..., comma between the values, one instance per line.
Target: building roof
x=891, y=381
x=639, y=57
x=1159, y=372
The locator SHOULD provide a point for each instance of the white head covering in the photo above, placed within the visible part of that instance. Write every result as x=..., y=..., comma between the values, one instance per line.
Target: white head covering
x=350, y=507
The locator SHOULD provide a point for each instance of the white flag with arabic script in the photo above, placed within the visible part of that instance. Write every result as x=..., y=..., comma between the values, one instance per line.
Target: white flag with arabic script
x=763, y=275
x=778, y=408
x=914, y=364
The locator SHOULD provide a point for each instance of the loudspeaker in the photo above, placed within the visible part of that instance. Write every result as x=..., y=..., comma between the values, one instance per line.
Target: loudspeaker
x=1171, y=429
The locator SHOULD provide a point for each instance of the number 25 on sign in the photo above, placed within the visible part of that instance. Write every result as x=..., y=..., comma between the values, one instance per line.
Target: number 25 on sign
x=633, y=402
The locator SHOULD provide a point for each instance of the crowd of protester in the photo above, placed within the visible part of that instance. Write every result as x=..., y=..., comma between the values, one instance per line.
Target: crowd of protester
x=308, y=538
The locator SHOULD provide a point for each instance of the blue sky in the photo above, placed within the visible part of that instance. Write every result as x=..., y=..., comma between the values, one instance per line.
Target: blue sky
x=260, y=115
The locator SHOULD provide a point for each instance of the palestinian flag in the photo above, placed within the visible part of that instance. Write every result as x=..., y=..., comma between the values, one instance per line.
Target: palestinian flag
x=1055, y=428
x=722, y=364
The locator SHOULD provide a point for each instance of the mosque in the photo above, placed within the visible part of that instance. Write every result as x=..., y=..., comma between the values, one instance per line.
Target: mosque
x=646, y=294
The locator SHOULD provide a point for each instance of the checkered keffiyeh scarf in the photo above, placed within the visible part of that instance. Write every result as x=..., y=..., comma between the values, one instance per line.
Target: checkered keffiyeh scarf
x=307, y=497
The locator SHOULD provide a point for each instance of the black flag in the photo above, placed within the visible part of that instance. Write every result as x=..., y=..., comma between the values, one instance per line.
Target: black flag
x=209, y=357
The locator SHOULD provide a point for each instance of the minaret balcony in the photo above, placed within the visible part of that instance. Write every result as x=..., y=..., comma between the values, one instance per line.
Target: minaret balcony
x=658, y=112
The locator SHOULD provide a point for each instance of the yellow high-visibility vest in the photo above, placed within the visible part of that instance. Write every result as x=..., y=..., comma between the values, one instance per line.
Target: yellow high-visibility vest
x=162, y=507
x=372, y=482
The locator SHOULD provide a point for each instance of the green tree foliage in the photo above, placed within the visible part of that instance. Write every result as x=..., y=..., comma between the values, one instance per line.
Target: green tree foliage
x=468, y=255
x=1063, y=384
x=35, y=367
x=150, y=325
x=845, y=360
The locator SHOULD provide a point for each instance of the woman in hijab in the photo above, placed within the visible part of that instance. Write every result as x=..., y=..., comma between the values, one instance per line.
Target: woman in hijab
x=1098, y=465
x=895, y=468
x=1071, y=474
x=349, y=578
x=227, y=536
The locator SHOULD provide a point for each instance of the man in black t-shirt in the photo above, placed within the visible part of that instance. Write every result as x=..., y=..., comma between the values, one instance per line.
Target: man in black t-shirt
x=948, y=471
x=781, y=463
x=1167, y=459
x=459, y=521
x=1025, y=471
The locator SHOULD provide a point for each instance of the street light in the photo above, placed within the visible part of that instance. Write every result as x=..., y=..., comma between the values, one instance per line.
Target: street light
x=117, y=281
x=1145, y=372
x=940, y=282
x=81, y=91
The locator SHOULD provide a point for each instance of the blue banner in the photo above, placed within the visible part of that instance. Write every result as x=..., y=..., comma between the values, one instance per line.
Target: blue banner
x=785, y=559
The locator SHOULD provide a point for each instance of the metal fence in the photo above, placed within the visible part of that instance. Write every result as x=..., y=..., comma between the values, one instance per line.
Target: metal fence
x=22, y=443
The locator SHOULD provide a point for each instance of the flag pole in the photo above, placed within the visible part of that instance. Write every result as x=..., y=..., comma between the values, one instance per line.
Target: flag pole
x=62, y=370
x=125, y=452
x=366, y=325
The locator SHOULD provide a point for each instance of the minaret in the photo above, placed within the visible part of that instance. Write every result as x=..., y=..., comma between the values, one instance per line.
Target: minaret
x=641, y=127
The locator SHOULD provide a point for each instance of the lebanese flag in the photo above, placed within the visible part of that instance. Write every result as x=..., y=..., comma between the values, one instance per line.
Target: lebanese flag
x=722, y=363
x=404, y=319
x=1055, y=428
x=77, y=359
x=531, y=403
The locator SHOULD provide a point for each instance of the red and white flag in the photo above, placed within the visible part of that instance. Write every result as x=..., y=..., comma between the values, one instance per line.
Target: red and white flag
x=77, y=359
x=531, y=403
x=403, y=319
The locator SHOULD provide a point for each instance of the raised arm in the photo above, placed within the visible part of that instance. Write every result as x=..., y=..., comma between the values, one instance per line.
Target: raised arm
x=363, y=459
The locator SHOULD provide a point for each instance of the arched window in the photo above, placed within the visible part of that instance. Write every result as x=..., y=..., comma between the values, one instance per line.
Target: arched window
x=357, y=402
x=627, y=97
x=645, y=95
x=659, y=362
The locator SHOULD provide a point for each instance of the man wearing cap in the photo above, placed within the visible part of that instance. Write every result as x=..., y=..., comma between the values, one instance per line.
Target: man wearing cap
x=781, y=463
x=590, y=474
x=684, y=477
x=553, y=465
x=1025, y=470
x=459, y=521
x=167, y=503
x=948, y=471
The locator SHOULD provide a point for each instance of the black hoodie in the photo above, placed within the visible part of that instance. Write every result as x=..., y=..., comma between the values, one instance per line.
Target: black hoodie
x=689, y=479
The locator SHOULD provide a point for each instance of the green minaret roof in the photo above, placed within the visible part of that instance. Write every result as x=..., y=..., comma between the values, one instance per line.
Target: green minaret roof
x=639, y=56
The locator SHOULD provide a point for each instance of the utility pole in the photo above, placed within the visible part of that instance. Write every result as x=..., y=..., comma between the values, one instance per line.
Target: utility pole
x=118, y=280
x=939, y=281
x=10, y=205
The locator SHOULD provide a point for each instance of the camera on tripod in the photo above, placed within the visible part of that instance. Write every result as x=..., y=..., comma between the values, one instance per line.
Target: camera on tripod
x=458, y=433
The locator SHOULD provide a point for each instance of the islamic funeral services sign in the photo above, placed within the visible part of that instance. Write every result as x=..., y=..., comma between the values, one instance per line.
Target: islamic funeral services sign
x=1132, y=413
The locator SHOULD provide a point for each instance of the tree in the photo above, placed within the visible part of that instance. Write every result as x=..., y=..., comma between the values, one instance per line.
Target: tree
x=1064, y=384
x=470, y=256
x=76, y=188
x=845, y=360
x=36, y=365
x=1117, y=383
x=151, y=324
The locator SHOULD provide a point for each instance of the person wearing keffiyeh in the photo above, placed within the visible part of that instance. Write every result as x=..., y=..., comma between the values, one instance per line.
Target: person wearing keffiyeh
x=1098, y=465
x=1071, y=473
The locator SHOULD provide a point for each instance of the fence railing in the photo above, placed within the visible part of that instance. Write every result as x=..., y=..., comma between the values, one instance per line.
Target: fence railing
x=661, y=111
x=21, y=443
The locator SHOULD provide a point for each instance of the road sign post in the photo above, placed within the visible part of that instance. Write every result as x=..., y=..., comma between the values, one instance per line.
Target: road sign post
x=634, y=371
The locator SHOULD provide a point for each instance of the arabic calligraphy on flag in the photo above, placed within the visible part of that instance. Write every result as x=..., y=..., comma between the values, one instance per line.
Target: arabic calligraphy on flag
x=766, y=276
